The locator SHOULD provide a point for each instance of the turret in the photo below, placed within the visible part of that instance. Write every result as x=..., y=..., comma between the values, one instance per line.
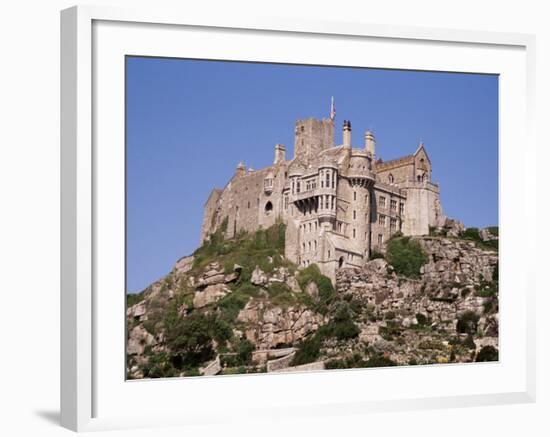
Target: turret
x=370, y=143
x=347, y=134
x=280, y=154
x=241, y=169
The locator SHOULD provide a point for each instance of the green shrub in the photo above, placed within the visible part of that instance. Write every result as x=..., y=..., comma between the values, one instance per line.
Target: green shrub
x=308, y=351
x=376, y=255
x=487, y=353
x=159, y=365
x=379, y=361
x=190, y=338
x=467, y=323
x=493, y=230
x=133, y=298
x=406, y=256
x=422, y=319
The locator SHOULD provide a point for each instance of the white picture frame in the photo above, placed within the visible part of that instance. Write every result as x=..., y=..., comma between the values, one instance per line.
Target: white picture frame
x=91, y=392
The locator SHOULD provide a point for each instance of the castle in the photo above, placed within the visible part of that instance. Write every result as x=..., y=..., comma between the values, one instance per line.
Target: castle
x=340, y=203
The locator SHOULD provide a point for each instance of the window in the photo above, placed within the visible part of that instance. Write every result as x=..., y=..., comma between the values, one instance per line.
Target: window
x=390, y=178
x=382, y=220
x=354, y=215
x=286, y=203
x=380, y=239
x=327, y=179
x=393, y=206
x=322, y=181
x=309, y=246
x=268, y=207
x=327, y=206
x=382, y=201
x=333, y=202
x=292, y=185
x=334, y=180
x=354, y=233
x=401, y=208
x=310, y=227
x=298, y=186
x=354, y=195
x=248, y=204
x=393, y=225
x=315, y=245
x=328, y=254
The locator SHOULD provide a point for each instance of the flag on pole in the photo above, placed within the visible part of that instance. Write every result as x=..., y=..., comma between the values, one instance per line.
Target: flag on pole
x=332, y=109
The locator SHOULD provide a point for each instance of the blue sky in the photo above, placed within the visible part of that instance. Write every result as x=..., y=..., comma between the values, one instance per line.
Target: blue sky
x=189, y=123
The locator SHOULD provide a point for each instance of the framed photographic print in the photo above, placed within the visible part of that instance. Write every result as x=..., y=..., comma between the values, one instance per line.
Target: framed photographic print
x=334, y=214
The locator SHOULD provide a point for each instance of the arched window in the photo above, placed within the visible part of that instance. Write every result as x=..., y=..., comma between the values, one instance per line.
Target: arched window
x=341, y=262
x=328, y=180
x=390, y=178
x=268, y=207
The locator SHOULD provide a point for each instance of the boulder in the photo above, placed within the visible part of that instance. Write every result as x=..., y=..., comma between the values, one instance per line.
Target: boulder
x=258, y=277
x=210, y=294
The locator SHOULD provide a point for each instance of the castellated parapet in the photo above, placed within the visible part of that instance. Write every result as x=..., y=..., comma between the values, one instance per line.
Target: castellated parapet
x=339, y=203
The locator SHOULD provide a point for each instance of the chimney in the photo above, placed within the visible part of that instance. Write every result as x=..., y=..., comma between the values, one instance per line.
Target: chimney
x=370, y=143
x=347, y=134
x=280, y=154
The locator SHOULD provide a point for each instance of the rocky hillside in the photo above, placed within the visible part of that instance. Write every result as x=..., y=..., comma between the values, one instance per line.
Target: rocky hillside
x=239, y=307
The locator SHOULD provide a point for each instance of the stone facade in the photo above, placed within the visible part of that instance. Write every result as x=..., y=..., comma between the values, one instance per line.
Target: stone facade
x=340, y=203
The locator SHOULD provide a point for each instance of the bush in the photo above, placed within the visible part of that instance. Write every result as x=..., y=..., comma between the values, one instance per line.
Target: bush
x=308, y=351
x=422, y=319
x=376, y=255
x=406, y=256
x=467, y=323
x=379, y=361
x=159, y=365
x=487, y=353
x=190, y=338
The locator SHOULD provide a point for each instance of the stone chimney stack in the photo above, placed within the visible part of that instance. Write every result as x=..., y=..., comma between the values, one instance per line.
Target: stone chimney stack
x=280, y=154
x=370, y=143
x=241, y=170
x=347, y=134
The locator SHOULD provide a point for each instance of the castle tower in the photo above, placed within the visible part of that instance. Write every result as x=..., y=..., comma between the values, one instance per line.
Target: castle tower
x=280, y=154
x=241, y=170
x=370, y=143
x=346, y=135
x=312, y=136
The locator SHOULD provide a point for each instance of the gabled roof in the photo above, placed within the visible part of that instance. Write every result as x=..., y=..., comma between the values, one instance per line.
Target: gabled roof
x=421, y=147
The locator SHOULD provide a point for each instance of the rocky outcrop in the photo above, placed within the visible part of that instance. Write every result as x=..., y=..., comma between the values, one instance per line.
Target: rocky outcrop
x=269, y=326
